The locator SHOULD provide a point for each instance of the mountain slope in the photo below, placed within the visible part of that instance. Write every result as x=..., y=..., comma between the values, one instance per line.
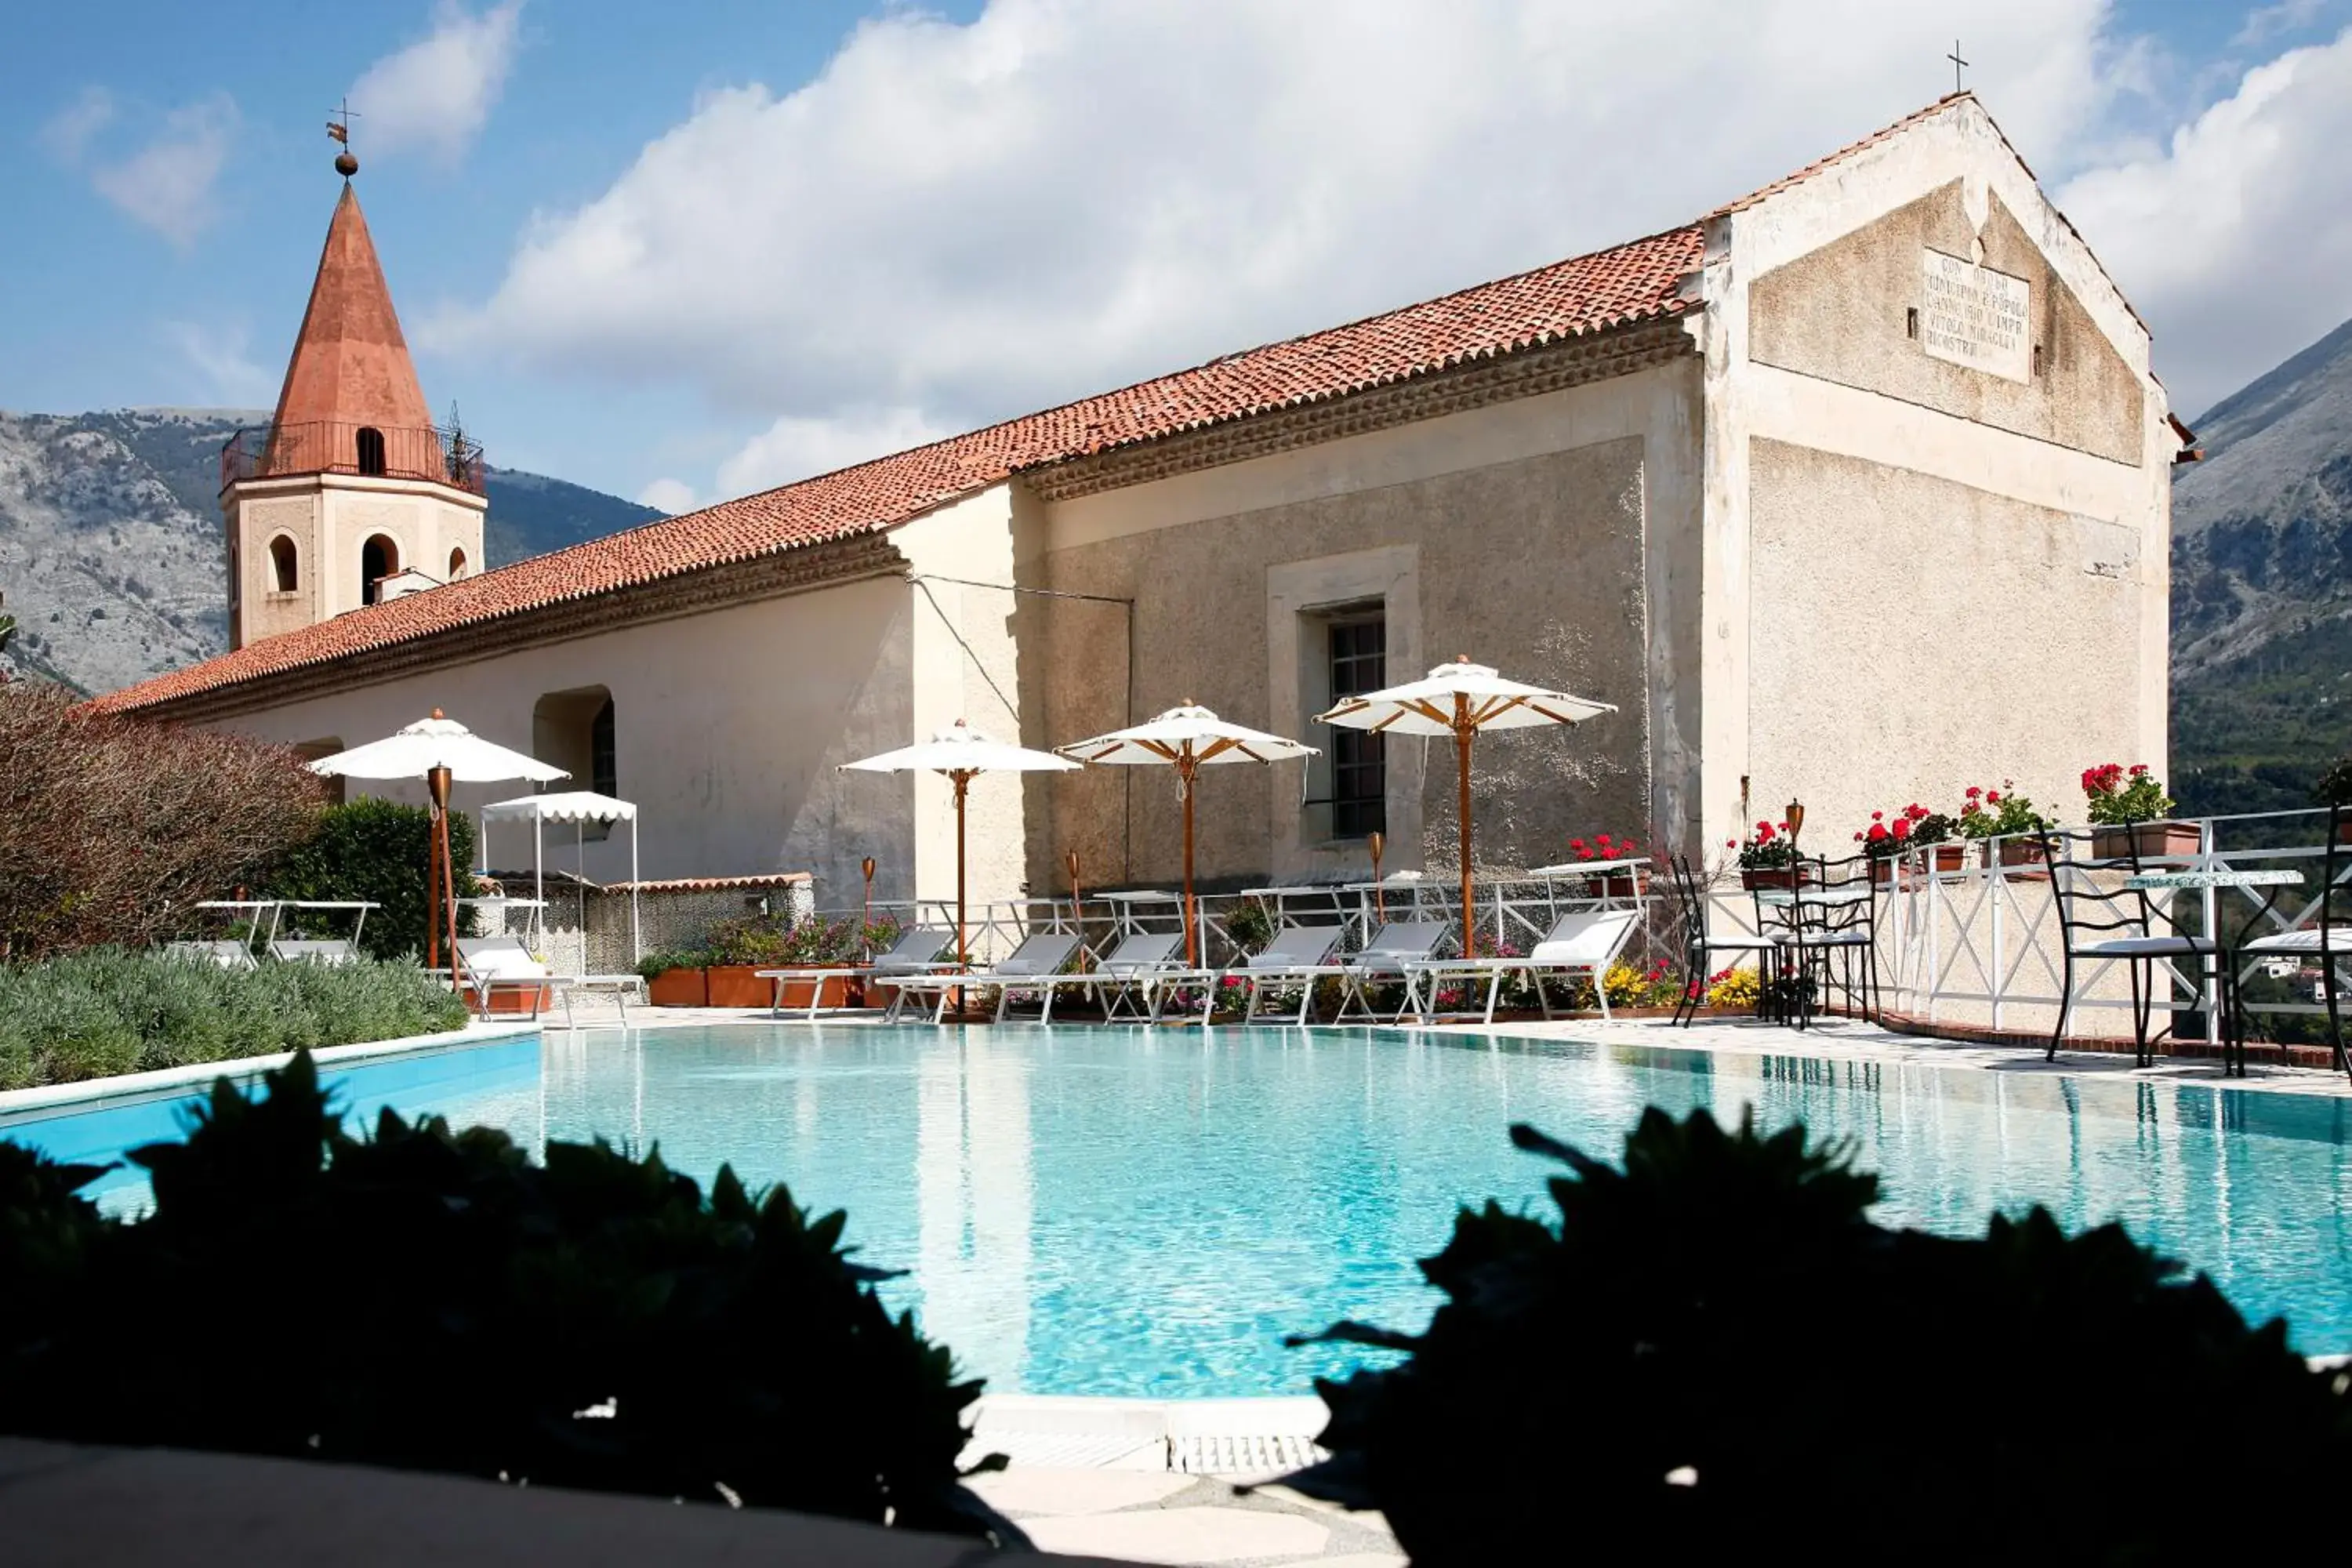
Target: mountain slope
x=2262, y=588
x=111, y=539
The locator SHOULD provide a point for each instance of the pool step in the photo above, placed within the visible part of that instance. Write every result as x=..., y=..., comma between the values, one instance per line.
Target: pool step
x=1256, y=1454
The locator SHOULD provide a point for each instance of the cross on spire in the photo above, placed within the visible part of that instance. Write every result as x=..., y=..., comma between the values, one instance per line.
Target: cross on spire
x=339, y=129
x=1958, y=63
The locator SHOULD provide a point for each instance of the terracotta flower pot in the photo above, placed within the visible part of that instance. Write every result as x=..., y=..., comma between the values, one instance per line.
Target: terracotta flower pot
x=2025, y=852
x=740, y=985
x=1619, y=885
x=1953, y=857
x=1755, y=876
x=833, y=991
x=519, y=999
x=678, y=988
x=2154, y=839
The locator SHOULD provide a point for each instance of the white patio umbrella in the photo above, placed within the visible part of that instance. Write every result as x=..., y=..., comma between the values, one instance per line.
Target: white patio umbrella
x=578, y=808
x=1460, y=700
x=441, y=751
x=1184, y=738
x=961, y=754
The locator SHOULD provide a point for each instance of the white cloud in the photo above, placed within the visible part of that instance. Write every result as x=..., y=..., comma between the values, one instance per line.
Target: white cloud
x=438, y=93
x=2267, y=22
x=167, y=185
x=797, y=448
x=2234, y=239
x=974, y=220
x=220, y=355
x=68, y=133
x=672, y=496
x=956, y=223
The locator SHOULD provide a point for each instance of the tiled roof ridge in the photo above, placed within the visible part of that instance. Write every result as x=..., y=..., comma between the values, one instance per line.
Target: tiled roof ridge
x=1831, y=160
x=1634, y=281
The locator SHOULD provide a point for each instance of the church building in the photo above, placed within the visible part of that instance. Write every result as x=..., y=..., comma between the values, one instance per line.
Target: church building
x=1853, y=491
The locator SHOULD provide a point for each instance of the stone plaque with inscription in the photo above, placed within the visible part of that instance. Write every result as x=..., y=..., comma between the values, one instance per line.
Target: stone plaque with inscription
x=1977, y=317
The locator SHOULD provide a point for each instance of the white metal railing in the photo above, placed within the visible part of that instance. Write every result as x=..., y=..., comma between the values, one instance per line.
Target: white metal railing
x=1977, y=944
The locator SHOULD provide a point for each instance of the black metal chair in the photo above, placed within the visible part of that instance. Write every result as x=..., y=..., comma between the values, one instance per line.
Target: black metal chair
x=2102, y=920
x=1699, y=942
x=1828, y=933
x=2328, y=937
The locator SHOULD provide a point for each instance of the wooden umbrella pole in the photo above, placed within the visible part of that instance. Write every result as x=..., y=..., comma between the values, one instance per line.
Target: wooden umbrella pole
x=963, y=951
x=432, y=889
x=445, y=893
x=1463, y=731
x=1185, y=764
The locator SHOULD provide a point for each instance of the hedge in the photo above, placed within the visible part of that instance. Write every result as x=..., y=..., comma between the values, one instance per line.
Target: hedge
x=374, y=850
x=114, y=1010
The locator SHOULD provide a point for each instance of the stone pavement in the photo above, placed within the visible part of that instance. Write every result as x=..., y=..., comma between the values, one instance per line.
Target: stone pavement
x=1153, y=1516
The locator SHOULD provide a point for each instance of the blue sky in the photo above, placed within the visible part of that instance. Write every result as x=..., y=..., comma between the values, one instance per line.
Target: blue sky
x=688, y=250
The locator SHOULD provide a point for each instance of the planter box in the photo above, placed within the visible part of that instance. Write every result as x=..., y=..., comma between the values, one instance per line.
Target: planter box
x=1755, y=876
x=519, y=999
x=679, y=988
x=740, y=985
x=844, y=990
x=2153, y=838
x=2024, y=852
x=1619, y=885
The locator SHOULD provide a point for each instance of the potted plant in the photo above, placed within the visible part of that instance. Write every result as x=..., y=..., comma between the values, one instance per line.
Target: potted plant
x=1884, y=841
x=2127, y=807
x=675, y=978
x=1624, y=883
x=2005, y=818
x=2333, y=787
x=1768, y=859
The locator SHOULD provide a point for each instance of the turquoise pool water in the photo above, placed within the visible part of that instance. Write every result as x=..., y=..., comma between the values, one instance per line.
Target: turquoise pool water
x=1131, y=1212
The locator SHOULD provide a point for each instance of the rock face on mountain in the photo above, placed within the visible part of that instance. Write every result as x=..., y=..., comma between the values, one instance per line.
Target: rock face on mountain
x=2262, y=528
x=2262, y=588
x=111, y=544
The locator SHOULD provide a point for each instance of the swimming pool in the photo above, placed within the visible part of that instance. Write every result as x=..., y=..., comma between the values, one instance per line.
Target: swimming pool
x=1147, y=1213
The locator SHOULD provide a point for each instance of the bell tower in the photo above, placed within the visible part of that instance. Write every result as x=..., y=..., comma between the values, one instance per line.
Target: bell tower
x=349, y=495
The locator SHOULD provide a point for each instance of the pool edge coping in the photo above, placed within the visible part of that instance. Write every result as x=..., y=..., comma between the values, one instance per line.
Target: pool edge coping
x=92, y=1093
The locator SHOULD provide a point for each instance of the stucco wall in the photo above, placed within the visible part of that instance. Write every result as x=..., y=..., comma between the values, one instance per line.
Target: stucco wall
x=1913, y=635
x=1515, y=534
x=729, y=727
x=1839, y=314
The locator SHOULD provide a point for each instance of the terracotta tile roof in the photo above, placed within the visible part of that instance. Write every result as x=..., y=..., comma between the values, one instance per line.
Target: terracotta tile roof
x=1632, y=282
x=1842, y=154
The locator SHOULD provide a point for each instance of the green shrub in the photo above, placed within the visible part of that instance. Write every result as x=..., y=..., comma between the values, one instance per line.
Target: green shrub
x=378, y=851
x=594, y=1322
x=1714, y=1348
x=775, y=940
x=110, y=1010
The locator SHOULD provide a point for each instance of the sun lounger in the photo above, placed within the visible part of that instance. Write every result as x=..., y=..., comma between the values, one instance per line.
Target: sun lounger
x=293, y=951
x=1037, y=957
x=1297, y=954
x=1588, y=941
x=915, y=953
x=494, y=965
x=1384, y=959
x=1134, y=968
x=227, y=954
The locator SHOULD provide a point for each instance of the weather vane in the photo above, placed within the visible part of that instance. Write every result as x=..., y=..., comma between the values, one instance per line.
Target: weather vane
x=339, y=127
x=1958, y=63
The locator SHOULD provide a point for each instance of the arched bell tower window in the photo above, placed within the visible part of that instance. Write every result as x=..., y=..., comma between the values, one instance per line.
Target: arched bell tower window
x=371, y=445
x=456, y=564
x=378, y=559
x=284, y=565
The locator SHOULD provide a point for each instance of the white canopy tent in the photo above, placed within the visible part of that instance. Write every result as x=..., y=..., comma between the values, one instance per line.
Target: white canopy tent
x=441, y=751
x=578, y=808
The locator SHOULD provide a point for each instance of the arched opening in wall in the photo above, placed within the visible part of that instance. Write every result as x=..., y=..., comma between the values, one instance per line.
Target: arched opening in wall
x=576, y=730
x=378, y=559
x=311, y=751
x=371, y=453
x=456, y=564
x=284, y=565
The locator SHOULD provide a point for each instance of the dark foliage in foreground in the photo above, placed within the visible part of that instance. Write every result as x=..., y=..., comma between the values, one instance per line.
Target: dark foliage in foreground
x=1714, y=1350
x=434, y=1300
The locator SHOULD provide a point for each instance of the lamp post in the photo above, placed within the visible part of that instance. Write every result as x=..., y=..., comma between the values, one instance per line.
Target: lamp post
x=1078, y=908
x=1796, y=821
x=1380, y=898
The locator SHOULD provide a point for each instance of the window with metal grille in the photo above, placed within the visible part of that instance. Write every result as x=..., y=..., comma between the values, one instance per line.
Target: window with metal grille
x=1358, y=760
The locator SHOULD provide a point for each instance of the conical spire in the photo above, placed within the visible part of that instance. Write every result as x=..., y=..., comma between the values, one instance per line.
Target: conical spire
x=351, y=365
